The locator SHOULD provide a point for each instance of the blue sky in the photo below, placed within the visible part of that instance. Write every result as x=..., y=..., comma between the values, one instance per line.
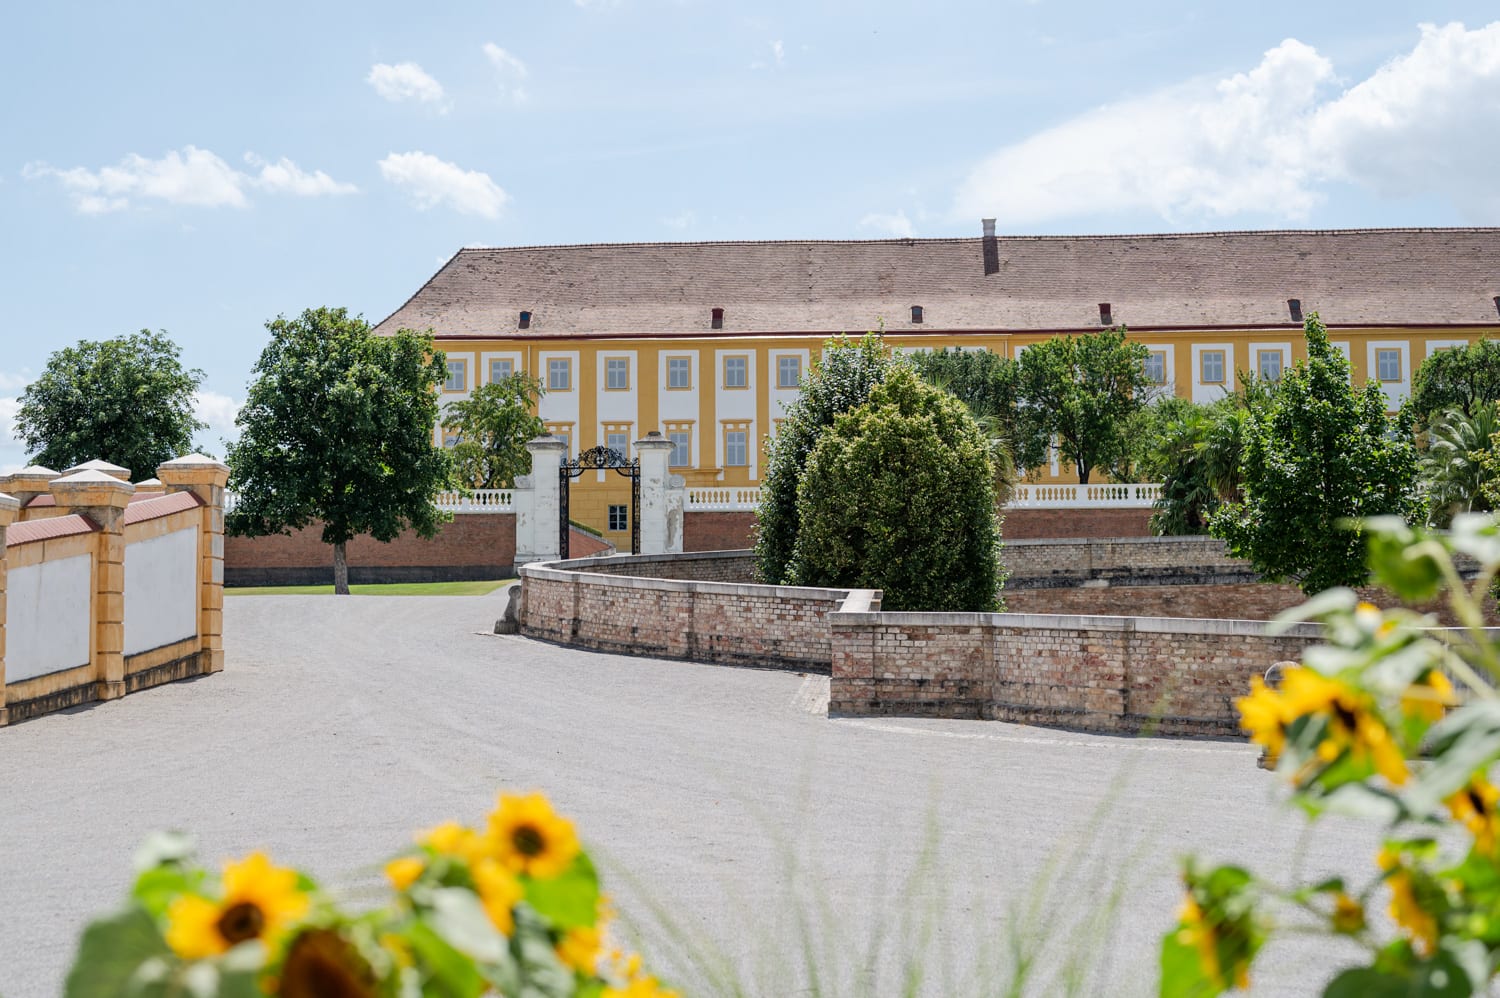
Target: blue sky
x=200, y=168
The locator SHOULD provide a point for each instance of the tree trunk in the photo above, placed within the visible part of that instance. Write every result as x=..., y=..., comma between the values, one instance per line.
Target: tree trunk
x=340, y=571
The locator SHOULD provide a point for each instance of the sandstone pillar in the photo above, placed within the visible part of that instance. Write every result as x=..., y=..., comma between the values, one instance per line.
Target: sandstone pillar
x=10, y=508
x=207, y=479
x=654, y=451
x=26, y=484
x=537, y=533
x=102, y=498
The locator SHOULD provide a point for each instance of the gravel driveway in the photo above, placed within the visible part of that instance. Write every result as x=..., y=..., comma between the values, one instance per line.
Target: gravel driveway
x=721, y=797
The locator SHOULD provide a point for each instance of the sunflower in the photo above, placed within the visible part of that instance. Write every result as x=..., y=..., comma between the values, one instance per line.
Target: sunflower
x=579, y=949
x=499, y=891
x=1405, y=909
x=530, y=838
x=1474, y=807
x=403, y=871
x=644, y=986
x=320, y=963
x=1351, y=722
x=1263, y=715
x=257, y=903
x=452, y=839
x=1429, y=697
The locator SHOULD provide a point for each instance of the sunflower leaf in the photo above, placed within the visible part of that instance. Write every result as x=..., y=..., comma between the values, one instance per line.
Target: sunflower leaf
x=570, y=899
x=111, y=953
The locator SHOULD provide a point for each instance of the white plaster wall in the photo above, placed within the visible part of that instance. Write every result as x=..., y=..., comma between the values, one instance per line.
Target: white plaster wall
x=1284, y=348
x=782, y=398
x=1395, y=391
x=517, y=363
x=1433, y=346
x=617, y=406
x=737, y=405
x=49, y=618
x=1209, y=392
x=161, y=590
x=1169, y=365
x=561, y=407
x=677, y=404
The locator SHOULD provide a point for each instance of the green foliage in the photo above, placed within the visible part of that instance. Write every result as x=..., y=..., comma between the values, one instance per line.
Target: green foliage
x=1081, y=390
x=493, y=425
x=1457, y=472
x=1392, y=723
x=1319, y=455
x=1196, y=457
x=128, y=401
x=899, y=496
x=841, y=380
x=1459, y=378
x=1139, y=458
x=337, y=427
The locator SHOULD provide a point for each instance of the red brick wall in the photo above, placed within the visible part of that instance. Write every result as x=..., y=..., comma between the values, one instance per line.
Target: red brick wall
x=1022, y=524
x=471, y=546
x=1121, y=675
x=718, y=531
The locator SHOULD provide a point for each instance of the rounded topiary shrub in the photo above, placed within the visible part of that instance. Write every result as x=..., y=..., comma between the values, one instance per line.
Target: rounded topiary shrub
x=841, y=380
x=899, y=495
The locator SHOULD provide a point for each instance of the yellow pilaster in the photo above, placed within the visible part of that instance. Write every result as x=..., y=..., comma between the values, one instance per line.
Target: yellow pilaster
x=103, y=498
x=207, y=479
x=10, y=508
x=708, y=408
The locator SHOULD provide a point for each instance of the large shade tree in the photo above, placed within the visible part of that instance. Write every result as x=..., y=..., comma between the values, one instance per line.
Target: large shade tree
x=126, y=400
x=337, y=429
x=1319, y=456
x=1081, y=391
x=492, y=426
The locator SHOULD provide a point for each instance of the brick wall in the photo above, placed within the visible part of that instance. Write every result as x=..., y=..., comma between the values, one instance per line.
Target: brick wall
x=1104, y=674
x=762, y=626
x=694, y=566
x=471, y=546
x=1039, y=564
x=717, y=531
x=1024, y=524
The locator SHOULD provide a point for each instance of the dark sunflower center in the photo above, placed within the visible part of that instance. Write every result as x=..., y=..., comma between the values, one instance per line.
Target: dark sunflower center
x=240, y=922
x=322, y=964
x=1476, y=802
x=1345, y=715
x=528, y=840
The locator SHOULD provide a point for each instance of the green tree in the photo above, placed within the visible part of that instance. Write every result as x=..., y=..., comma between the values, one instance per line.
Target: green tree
x=337, y=428
x=127, y=400
x=1081, y=390
x=1146, y=430
x=1457, y=471
x=1197, y=460
x=1319, y=456
x=839, y=381
x=1461, y=378
x=493, y=425
x=986, y=383
x=899, y=495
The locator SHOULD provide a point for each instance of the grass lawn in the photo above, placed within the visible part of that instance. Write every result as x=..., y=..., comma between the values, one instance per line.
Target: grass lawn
x=377, y=589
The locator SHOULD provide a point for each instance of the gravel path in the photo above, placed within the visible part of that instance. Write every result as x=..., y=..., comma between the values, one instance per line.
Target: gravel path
x=719, y=796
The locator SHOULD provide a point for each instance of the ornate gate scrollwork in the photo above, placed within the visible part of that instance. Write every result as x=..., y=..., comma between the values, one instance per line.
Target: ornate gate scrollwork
x=599, y=459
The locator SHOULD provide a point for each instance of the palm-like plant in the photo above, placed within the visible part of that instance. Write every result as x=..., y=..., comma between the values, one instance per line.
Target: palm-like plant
x=1454, y=473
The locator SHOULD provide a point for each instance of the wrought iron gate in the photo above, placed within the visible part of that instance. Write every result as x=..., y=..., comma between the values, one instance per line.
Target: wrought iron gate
x=599, y=459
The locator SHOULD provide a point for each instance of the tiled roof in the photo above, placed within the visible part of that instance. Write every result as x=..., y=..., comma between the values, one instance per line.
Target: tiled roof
x=52, y=527
x=153, y=506
x=1238, y=279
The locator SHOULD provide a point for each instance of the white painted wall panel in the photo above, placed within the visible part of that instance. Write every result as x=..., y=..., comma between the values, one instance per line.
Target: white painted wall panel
x=49, y=619
x=161, y=590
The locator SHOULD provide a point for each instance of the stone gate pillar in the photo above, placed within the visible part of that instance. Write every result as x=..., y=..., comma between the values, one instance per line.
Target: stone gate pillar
x=10, y=508
x=102, y=498
x=537, y=507
x=207, y=479
x=654, y=452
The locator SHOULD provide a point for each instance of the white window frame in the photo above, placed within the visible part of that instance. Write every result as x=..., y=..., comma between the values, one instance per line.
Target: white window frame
x=617, y=366
x=742, y=365
x=565, y=365
x=679, y=363
x=782, y=362
x=457, y=369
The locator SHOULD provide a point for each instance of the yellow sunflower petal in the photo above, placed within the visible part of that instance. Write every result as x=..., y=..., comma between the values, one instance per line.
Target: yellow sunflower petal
x=192, y=930
x=530, y=838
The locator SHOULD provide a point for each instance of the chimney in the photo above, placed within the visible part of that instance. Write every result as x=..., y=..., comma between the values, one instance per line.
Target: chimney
x=991, y=247
x=1294, y=308
x=1105, y=316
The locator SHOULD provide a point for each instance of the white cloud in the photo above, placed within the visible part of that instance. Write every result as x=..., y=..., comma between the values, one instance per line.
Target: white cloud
x=12, y=450
x=286, y=177
x=1268, y=141
x=510, y=71
x=778, y=51
x=432, y=181
x=190, y=176
x=681, y=221
x=897, y=224
x=218, y=411
x=405, y=81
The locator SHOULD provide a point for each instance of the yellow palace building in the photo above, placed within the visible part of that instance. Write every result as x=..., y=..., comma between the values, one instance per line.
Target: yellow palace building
x=707, y=342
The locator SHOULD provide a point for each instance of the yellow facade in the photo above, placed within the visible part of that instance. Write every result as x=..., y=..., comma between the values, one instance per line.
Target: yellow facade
x=724, y=394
